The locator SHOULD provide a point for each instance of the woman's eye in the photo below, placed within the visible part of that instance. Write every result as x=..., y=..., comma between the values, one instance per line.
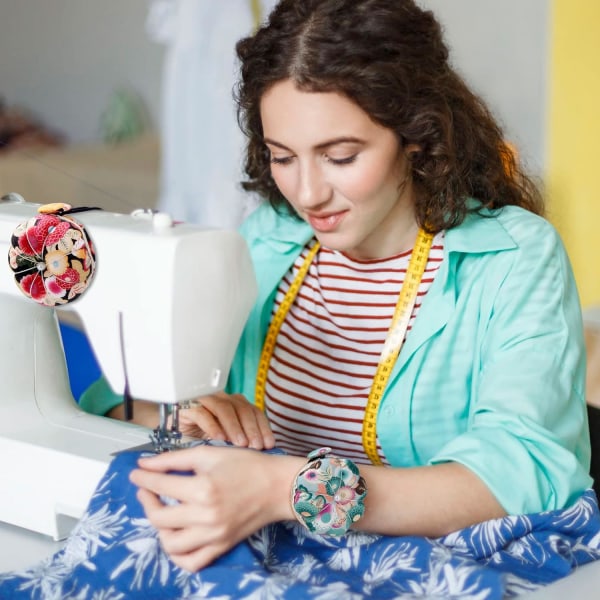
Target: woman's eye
x=342, y=161
x=281, y=160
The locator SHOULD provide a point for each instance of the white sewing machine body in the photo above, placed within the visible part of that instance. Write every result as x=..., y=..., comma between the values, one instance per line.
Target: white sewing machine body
x=164, y=312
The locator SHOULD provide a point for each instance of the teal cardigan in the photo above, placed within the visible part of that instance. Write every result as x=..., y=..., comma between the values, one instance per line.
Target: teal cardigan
x=492, y=374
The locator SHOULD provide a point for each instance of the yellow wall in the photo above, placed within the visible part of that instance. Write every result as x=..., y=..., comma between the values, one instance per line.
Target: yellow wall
x=573, y=176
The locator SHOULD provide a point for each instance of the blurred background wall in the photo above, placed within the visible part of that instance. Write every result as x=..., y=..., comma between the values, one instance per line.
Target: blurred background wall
x=63, y=60
x=573, y=142
x=536, y=62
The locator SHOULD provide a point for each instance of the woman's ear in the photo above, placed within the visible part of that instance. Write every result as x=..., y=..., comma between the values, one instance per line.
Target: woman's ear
x=410, y=150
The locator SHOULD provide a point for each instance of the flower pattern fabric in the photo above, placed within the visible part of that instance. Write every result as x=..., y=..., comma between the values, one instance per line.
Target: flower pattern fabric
x=52, y=258
x=328, y=494
x=114, y=554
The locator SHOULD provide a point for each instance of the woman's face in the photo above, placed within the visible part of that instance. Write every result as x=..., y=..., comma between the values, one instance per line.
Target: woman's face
x=343, y=173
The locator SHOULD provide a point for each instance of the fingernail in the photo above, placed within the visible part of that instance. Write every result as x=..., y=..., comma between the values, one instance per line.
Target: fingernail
x=241, y=440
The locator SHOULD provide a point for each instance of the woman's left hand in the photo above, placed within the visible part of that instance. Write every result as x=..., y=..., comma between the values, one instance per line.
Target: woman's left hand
x=230, y=494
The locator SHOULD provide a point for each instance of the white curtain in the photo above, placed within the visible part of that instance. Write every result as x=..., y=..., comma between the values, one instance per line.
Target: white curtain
x=202, y=146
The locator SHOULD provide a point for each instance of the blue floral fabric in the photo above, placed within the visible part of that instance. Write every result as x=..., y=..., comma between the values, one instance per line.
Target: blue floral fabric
x=115, y=554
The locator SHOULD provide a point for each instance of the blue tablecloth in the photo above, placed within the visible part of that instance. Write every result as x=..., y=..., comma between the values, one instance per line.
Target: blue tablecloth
x=114, y=554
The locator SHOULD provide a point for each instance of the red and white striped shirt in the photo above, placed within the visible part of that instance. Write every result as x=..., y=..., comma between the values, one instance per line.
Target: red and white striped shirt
x=329, y=346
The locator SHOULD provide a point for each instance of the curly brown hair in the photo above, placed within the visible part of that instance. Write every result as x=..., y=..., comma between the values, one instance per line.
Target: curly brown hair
x=390, y=58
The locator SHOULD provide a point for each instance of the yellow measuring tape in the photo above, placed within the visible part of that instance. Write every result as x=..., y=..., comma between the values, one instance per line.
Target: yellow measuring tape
x=391, y=347
x=393, y=341
x=275, y=326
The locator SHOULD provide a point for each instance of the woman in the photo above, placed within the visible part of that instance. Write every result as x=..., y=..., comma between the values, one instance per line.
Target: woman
x=435, y=341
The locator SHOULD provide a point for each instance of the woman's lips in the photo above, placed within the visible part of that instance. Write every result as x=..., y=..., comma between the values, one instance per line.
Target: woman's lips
x=325, y=223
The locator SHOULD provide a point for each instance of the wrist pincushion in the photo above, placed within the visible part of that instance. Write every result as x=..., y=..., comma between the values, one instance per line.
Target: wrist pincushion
x=328, y=493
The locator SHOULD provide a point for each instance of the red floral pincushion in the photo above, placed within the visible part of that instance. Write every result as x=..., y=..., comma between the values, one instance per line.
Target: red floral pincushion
x=53, y=258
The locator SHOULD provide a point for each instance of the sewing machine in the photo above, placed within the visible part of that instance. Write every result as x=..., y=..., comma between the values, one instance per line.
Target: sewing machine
x=164, y=313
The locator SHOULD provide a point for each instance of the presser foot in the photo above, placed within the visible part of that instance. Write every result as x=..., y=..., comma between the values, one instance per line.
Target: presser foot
x=166, y=440
x=167, y=437
x=160, y=442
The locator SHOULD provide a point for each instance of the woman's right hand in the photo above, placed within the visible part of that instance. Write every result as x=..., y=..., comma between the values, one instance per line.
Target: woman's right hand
x=227, y=417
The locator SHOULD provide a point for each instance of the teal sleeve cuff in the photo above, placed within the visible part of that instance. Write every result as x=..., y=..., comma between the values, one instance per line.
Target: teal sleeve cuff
x=99, y=398
x=525, y=475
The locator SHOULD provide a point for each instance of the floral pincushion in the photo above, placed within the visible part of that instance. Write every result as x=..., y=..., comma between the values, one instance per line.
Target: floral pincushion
x=52, y=258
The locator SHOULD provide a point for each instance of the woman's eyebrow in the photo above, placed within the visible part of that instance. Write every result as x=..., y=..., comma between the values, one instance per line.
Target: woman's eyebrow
x=321, y=146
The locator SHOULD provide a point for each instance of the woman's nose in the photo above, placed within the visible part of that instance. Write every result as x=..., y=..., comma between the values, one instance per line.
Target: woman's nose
x=313, y=188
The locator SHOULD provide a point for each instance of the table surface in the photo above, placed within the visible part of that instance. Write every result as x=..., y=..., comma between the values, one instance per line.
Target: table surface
x=20, y=548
